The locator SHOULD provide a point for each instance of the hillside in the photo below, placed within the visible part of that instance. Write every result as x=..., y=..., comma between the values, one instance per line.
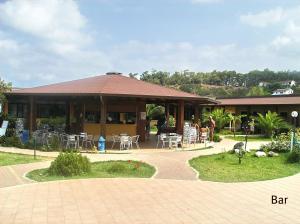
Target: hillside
x=224, y=83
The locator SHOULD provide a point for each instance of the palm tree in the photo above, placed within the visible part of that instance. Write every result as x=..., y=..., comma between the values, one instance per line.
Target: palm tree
x=235, y=119
x=270, y=123
x=220, y=116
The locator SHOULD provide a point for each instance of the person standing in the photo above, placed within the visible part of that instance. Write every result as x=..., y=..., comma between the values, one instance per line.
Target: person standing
x=212, y=125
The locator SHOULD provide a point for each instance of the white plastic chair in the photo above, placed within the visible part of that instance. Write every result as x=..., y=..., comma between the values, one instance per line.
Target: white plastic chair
x=125, y=142
x=115, y=139
x=134, y=140
x=173, y=141
x=72, y=141
x=163, y=139
x=88, y=140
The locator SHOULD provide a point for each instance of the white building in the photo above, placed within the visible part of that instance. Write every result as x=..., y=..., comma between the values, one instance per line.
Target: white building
x=263, y=84
x=278, y=92
x=288, y=83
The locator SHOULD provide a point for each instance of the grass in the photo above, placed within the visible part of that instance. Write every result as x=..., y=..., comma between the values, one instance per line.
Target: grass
x=13, y=158
x=224, y=167
x=250, y=138
x=153, y=129
x=107, y=169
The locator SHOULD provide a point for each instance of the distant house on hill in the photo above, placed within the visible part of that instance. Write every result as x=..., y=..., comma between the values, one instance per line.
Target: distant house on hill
x=279, y=92
x=288, y=83
x=263, y=84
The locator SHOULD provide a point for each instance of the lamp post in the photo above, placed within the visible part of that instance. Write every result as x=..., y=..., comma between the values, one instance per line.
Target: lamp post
x=294, y=115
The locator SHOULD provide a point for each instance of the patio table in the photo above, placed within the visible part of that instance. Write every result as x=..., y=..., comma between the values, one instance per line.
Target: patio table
x=169, y=136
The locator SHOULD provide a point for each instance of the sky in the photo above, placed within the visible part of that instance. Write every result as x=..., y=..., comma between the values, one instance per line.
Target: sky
x=49, y=41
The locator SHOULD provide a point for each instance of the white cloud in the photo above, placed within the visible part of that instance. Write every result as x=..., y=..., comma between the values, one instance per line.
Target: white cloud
x=263, y=18
x=57, y=22
x=286, y=43
x=61, y=48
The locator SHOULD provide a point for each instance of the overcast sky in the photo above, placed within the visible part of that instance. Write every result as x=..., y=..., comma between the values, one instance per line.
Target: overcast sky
x=47, y=41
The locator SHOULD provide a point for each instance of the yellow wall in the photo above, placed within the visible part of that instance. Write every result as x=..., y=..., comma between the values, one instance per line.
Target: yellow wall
x=116, y=129
x=111, y=129
x=92, y=128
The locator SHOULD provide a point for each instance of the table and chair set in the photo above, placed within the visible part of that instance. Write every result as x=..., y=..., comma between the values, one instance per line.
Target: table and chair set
x=191, y=135
x=67, y=141
x=125, y=141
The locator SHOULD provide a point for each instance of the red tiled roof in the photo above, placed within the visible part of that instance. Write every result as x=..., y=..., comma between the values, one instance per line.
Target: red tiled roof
x=110, y=85
x=271, y=100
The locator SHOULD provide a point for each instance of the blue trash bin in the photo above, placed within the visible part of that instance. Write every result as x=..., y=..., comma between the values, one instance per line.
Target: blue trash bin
x=101, y=144
x=25, y=136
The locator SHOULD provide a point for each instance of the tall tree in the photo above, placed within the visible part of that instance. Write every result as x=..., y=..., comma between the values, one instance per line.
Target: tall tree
x=4, y=87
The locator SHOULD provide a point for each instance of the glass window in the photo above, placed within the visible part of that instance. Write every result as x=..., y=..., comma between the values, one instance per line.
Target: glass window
x=17, y=110
x=92, y=116
x=121, y=118
x=51, y=110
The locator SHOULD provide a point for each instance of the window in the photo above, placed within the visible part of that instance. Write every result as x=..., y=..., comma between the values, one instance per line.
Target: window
x=51, y=110
x=121, y=118
x=17, y=110
x=284, y=115
x=188, y=112
x=92, y=116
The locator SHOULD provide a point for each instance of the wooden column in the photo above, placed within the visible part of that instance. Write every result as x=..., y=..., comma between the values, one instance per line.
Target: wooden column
x=32, y=114
x=141, y=121
x=167, y=112
x=197, y=114
x=180, y=119
x=103, y=111
x=68, y=116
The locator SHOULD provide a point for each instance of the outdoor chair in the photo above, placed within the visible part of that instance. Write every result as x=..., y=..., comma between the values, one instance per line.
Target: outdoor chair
x=115, y=139
x=88, y=140
x=125, y=142
x=72, y=141
x=173, y=142
x=82, y=137
x=179, y=140
x=162, y=138
x=134, y=140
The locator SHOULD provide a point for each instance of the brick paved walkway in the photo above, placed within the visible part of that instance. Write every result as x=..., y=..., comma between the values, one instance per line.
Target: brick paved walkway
x=150, y=201
x=158, y=200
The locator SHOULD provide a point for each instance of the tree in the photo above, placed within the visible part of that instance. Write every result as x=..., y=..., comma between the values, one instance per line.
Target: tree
x=257, y=91
x=220, y=116
x=235, y=119
x=155, y=112
x=133, y=75
x=270, y=123
x=4, y=87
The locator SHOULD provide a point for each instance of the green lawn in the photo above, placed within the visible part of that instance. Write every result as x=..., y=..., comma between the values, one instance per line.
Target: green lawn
x=107, y=169
x=224, y=167
x=13, y=158
x=250, y=138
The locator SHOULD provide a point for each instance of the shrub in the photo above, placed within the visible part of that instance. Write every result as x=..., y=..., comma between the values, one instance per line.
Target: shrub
x=280, y=144
x=217, y=138
x=12, y=141
x=294, y=156
x=270, y=123
x=70, y=164
x=53, y=143
x=116, y=168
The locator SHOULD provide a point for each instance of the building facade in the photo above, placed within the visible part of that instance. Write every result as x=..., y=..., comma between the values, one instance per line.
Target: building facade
x=101, y=105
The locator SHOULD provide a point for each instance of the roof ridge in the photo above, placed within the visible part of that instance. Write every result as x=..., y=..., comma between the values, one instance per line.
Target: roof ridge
x=64, y=82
